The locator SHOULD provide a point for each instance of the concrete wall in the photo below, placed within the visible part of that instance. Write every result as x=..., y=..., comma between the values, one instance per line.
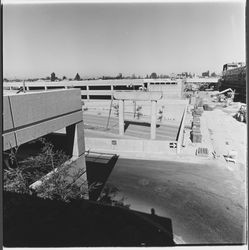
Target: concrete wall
x=32, y=115
x=130, y=145
x=169, y=90
x=173, y=109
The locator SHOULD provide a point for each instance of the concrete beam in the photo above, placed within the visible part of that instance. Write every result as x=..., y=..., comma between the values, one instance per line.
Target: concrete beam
x=76, y=142
x=153, y=120
x=32, y=115
x=138, y=95
x=121, y=117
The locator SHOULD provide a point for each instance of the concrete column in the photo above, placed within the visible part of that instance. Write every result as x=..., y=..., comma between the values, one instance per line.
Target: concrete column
x=87, y=92
x=153, y=120
x=121, y=116
x=76, y=147
x=112, y=90
x=46, y=88
x=75, y=138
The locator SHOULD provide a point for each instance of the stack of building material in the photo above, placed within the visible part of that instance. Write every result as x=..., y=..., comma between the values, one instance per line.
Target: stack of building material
x=192, y=100
x=199, y=102
x=197, y=111
x=196, y=122
x=208, y=107
x=202, y=152
x=195, y=134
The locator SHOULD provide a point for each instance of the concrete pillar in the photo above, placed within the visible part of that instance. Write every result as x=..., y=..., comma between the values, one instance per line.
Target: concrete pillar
x=75, y=139
x=134, y=109
x=153, y=120
x=87, y=92
x=111, y=90
x=46, y=88
x=121, y=116
x=76, y=148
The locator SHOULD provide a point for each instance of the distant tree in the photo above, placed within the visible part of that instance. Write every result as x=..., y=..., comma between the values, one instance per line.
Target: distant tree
x=53, y=77
x=120, y=76
x=133, y=76
x=64, y=77
x=153, y=75
x=213, y=74
x=77, y=77
x=205, y=74
x=147, y=76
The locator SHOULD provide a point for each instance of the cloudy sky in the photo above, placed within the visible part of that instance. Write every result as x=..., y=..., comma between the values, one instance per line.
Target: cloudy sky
x=107, y=39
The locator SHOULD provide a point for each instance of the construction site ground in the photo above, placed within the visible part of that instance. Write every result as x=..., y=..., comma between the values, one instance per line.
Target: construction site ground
x=205, y=196
x=221, y=134
x=96, y=125
x=205, y=202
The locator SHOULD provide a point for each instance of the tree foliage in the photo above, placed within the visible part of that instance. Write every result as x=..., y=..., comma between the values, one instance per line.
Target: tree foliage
x=153, y=75
x=53, y=77
x=77, y=77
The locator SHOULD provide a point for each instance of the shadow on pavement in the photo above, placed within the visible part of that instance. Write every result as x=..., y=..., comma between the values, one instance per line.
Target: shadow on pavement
x=99, y=167
x=145, y=124
x=29, y=221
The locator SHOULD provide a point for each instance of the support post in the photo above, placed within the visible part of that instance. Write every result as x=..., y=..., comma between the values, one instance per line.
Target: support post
x=112, y=90
x=76, y=148
x=153, y=120
x=75, y=137
x=87, y=92
x=121, y=116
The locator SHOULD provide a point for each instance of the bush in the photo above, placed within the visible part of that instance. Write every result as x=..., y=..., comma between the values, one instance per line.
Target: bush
x=25, y=173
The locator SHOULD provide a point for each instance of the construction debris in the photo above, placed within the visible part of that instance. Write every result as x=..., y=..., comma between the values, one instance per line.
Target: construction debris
x=195, y=134
x=241, y=115
x=202, y=152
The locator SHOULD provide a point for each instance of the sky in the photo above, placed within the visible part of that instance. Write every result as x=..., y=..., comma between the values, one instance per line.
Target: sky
x=129, y=38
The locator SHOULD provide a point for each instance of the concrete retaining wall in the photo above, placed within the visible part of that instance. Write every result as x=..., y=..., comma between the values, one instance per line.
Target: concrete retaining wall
x=130, y=145
x=173, y=109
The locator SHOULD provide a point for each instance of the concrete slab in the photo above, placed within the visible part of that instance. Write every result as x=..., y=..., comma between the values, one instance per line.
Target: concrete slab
x=138, y=95
x=205, y=202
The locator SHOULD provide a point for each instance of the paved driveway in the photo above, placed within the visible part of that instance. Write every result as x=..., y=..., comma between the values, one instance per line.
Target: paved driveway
x=204, y=201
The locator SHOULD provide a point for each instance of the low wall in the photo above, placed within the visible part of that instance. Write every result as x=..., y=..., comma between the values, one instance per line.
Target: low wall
x=131, y=145
x=173, y=109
